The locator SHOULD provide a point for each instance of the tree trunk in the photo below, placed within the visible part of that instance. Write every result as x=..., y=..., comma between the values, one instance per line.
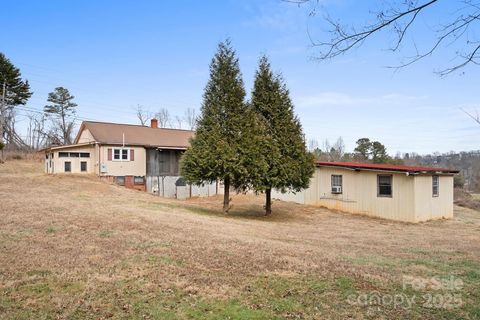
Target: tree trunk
x=2, y=115
x=268, y=202
x=64, y=129
x=226, y=195
x=1, y=136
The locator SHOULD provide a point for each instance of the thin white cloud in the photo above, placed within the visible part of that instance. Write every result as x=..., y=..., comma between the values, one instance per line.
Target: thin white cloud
x=343, y=99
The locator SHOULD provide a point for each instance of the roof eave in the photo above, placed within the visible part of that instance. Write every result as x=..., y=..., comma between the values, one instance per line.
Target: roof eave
x=75, y=145
x=143, y=145
x=410, y=172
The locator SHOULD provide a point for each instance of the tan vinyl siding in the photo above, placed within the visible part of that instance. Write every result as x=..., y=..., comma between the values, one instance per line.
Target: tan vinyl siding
x=86, y=136
x=359, y=194
x=412, y=199
x=137, y=167
x=59, y=163
x=429, y=207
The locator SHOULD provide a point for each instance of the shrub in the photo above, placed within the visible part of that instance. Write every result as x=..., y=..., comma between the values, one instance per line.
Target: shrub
x=464, y=199
x=459, y=181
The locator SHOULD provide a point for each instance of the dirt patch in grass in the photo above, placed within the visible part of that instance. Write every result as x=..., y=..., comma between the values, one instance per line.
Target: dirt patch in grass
x=75, y=247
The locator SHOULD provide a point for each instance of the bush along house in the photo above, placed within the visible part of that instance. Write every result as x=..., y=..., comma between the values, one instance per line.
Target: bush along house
x=139, y=157
x=402, y=193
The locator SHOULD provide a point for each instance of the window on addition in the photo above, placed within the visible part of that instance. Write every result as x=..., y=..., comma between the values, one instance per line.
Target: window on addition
x=337, y=183
x=435, y=186
x=385, y=185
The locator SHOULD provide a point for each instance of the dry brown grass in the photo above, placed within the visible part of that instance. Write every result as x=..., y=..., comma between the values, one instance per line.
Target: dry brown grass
x=22, y=155
x=75, y=247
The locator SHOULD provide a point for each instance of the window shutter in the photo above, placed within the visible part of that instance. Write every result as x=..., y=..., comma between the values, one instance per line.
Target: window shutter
x=109, y=151
x=132, y=155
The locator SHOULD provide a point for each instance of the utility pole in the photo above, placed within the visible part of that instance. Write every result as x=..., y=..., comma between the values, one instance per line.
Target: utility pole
x=2, y=109
x=2, y=116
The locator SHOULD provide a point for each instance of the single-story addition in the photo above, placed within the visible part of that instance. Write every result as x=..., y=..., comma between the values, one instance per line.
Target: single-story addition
x=139, y=157
x=402, y=193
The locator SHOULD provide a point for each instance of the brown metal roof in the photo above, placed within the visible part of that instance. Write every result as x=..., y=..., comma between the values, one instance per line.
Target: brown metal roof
x=384, y=167
x=115, y=133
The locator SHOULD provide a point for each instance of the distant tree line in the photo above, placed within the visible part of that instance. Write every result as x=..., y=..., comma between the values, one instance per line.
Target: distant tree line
x=365, y=151
x=165, y=120
x=467, y=162
x=375, y=152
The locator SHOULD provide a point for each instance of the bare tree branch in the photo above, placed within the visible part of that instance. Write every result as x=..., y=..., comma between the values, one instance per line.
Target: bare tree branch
x=143, y=115
x=190, y=118
x=475, y=117
x=179, y=122
x=399, y=18
x=163, y=117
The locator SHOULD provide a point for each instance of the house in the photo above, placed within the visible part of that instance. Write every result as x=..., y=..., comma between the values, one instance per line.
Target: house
x=140, y=157
x=402, y=193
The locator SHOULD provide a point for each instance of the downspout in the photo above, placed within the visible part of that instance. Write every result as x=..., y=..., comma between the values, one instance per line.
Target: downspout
x=97, y=146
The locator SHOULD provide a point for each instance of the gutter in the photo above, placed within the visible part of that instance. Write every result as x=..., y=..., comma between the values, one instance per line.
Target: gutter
x=408, y=173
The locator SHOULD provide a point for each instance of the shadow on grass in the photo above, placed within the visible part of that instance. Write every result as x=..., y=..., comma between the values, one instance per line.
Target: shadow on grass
x=254, y=212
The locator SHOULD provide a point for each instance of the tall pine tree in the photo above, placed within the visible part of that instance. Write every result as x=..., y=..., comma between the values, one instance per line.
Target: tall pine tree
x=226, y=138
x=290, y=165
x=13, y=92
x=62, y=111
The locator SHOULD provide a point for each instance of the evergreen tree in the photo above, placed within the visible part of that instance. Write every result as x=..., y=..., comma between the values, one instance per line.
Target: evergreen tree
x=290, y=165
x=226, y=138
x=13, y=91
x=62, y=109
x=379, y=153
x=363, y=148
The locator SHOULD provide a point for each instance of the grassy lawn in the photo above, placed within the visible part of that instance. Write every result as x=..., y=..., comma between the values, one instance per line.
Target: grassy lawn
x=73, y=247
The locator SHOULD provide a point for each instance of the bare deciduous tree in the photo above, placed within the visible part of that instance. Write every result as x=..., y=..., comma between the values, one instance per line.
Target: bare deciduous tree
x=163, y=117
x=143, y=115
x=14, y=140
x=312, y=145
x=190, y=118
x=455, y=32
x=178, y=122
x=36, y=135
x=338, y=150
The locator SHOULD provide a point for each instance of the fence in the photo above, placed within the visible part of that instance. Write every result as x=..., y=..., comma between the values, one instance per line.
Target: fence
x=172, y=187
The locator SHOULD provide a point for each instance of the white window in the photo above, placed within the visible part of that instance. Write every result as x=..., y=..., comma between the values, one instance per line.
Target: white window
x=435, y=180
x=336, y=183
x=384, y=185
x=121, y=154
x=125, y=154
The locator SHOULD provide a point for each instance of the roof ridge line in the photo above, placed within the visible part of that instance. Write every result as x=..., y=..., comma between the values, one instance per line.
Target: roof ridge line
x=135, y=125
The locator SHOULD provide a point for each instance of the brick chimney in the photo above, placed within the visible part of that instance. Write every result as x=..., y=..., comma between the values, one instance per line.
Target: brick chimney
x=154, y=123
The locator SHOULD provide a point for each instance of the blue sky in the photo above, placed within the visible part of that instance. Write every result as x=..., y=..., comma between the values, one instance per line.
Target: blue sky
x=114, y=55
